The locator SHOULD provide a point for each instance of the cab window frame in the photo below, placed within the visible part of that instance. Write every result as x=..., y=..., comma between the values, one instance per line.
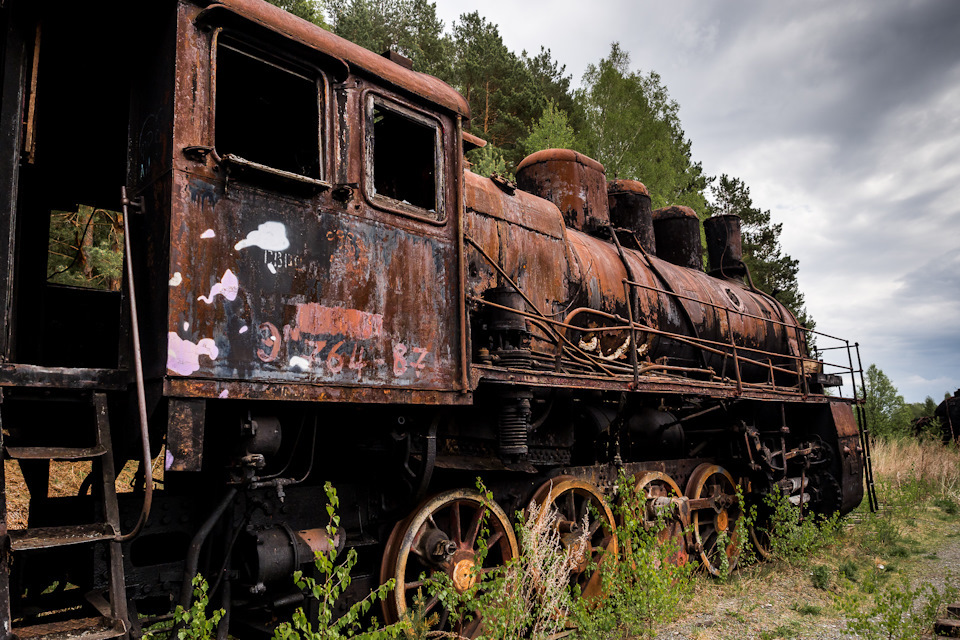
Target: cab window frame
x=241, y=44
x=374, y=100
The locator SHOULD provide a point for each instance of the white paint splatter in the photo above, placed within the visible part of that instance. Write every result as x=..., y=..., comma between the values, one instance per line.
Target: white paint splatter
x=186, y=326
x=271, y=236
x=223, y=394
x=176, y=279
x=208, y=234
x=271, y=268
x=168, y=460
x=183, y=356
x=297, y=362
x=228, y=287
x=244, y=329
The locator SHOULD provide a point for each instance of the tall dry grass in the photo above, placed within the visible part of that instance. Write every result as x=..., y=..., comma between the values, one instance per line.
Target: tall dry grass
x=65, y=480
x=909, y=460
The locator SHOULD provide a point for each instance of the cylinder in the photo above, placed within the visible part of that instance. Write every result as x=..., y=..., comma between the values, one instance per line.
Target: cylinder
x=677, y=231
x=630, y=208
x=724, y=248
x=572, y=181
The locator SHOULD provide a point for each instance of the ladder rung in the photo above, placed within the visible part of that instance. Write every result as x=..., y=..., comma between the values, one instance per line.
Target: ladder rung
x=953, y=611
x=946, y=626
x=98, y=628
x=46, y=537
x=56, y=453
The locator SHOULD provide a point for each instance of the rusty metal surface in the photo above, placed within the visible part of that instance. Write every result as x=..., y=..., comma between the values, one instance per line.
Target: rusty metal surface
x=572, y=181
x=678, y=236
x=185, y=428
x=44, y=537
x=630, y=208
x=27, y=375
x=197, y=388
x=724, y=246
x=328, y=288
x=361, y=61
x=98, y=628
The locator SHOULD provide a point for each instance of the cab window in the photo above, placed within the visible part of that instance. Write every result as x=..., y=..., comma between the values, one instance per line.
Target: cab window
x=404, y=159
x=268, y=111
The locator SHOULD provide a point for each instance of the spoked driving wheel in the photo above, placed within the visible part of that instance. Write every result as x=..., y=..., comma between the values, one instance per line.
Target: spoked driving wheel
x=661, y=503
x=444, y=535
x=586, y=528
x=715, y=511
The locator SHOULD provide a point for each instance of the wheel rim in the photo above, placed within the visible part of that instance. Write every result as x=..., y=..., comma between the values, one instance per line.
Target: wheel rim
x=651, y=486
x=573, y=498
x=712, y=522
x=442, y=535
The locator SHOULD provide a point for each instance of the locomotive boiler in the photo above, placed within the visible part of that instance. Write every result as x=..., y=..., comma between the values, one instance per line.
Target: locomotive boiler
x=317, y=289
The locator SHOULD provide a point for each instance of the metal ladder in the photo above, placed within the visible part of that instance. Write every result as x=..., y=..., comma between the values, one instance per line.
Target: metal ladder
x=112, y=619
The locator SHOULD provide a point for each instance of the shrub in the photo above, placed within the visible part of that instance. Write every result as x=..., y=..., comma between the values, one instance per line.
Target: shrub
x=898, y=612
x=193, y=623
x=821, y=577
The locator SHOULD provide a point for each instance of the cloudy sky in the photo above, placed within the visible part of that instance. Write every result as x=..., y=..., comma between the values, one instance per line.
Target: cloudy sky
x=844, y=120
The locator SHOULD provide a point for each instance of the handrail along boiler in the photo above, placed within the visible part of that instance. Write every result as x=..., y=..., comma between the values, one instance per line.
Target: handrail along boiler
x=323, y=291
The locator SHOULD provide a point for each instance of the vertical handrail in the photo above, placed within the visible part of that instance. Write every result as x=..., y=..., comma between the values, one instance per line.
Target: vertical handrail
x=736, y=358
x=865, y=433
x=138, y=370
x=628, y=291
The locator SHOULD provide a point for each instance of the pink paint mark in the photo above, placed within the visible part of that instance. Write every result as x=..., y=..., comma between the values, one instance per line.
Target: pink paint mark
x=228, y=287
x=208, y=234
x=244, y=329
x=223, y=394
x=352, y=323
x=183, y=356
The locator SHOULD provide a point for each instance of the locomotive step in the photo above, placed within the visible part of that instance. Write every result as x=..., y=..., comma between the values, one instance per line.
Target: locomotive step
x=56, y=453
x=46, y=537
x=98, y=628
x=953, y=611
x=29, y=375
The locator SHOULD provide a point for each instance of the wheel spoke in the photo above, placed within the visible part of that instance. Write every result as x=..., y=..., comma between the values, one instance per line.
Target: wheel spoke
x=431, y=603
x=455, y=522
x=416, y=584
x=442, y=621
x=474, y=529
x=494, y=539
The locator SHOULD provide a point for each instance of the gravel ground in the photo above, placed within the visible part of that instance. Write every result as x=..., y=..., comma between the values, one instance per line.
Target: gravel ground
x=768, y=601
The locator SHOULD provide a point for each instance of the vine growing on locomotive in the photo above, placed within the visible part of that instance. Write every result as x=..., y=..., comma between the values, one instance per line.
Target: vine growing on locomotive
x=318, y=289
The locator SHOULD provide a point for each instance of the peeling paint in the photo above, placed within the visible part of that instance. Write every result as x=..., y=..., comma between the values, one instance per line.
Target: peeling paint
x=176, y=279
x=186, y=326
x=227, y=287
x=270, y=236
x=208, y=234
x=244, y=329
x=317, y=319
x=223, y=394
x=296, y=362
x=168, y=460
x=183, y=356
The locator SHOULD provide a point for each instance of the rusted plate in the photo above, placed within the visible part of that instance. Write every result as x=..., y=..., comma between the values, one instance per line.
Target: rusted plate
x=196, y=388
x=45, y=537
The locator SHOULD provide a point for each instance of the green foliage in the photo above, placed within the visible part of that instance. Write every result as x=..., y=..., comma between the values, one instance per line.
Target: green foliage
x=309, y=10
x=899, y=612
x=821, y=576
x=408, y=27
x=947, y=505
x=632, y=127
x=489, y=161
x=334, y=580
x=551, y=131
x=808, y=609
x=194, y=623
x=886, y=411
x=85, y=248
x=645, y=587
x=793, y=536
x=848, y=570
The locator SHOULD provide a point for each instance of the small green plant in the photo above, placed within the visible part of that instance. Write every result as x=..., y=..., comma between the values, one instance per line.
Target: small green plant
x=947, y=505
x=795, y=536
x=193, y=623
x=649, y=583
x=898, y=611
x=848, y=569
x=808, y=609
x=335, y=578
x=821, y=577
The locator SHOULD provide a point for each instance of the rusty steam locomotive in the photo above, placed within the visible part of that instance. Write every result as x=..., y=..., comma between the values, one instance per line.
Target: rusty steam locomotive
x=318, y=289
